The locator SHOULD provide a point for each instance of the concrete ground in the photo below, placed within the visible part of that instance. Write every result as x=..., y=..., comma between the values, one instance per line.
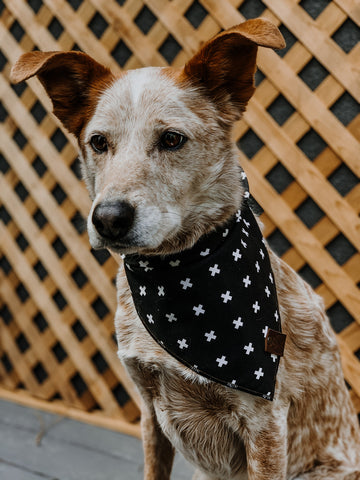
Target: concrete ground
x=35, y=445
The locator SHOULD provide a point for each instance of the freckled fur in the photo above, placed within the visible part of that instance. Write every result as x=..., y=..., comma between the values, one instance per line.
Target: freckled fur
x=310, y=430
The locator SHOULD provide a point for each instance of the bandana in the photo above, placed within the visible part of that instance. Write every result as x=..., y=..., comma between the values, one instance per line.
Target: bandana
x=214, y=307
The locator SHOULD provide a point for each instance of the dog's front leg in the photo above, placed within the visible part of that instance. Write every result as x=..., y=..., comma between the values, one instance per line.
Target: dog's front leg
x=266, y=451
x=158, y=451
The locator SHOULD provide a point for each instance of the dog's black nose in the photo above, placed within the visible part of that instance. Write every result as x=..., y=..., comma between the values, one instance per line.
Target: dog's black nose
x=113, y=220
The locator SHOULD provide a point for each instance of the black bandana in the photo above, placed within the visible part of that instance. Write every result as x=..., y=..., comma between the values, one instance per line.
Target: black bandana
x=214, y=307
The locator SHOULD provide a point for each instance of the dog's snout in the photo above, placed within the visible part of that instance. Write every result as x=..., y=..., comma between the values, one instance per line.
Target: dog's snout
x=113, y=220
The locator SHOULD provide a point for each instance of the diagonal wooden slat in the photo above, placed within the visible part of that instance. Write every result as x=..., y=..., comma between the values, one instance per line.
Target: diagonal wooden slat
x=315, y=39
x=307, y=175
x=42, y=352
x=27, y=19
x=306, y=243
x=34, y=286
x=179, y=27
x=352, y=8
x=78, y=31
x=123, y=25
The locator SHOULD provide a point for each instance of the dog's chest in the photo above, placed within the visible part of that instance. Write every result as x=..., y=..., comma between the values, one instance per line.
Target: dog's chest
x=200, y=420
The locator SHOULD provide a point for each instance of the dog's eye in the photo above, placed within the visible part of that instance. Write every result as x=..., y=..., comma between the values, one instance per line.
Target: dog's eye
x=99, y=143
x=172, y=140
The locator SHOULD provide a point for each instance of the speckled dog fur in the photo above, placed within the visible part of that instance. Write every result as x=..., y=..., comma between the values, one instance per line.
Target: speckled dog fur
x=309, y=431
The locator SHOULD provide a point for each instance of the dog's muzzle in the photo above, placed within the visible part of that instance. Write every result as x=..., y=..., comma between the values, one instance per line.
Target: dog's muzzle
x=113, y=219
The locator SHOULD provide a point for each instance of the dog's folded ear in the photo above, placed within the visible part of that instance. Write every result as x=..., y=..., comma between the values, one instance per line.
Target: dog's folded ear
x=72, y=80
x=226, y=64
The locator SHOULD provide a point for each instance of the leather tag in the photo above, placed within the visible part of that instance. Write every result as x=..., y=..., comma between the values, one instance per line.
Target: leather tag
x=275, y=342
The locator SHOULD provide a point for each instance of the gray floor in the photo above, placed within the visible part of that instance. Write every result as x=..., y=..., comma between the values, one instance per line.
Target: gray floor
x=67, y=450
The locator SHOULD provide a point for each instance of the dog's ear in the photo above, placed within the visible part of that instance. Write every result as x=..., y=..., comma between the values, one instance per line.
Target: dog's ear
x=225, y=65
x=73, y=81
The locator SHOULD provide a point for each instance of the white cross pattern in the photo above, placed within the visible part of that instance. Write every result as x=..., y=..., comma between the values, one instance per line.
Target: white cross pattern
x=214, y=270
x=199, y=310
x=150, y=318
x=238, y=216
x=249, y=348
x=238, y=323
x=276, y=315
x=225, y=232
x=274, y=357
x=245, y=232
x=271, y=278
x=262, y=253
x=259, y=373
x=205, y=253
x=247, y=223
x=222, y=361
x=267, y=291
x=265, y=331
x=174, y=263
x=226, y=296
x=244, y=244
x=210, y=336
x=143, y=291
x=145, y=266
x=236, y=254
x=257, y=266
x=161, y=291
x=182, y=344
x=171, y=317
x=186, y=283
x=246, y=281
x=256, y=307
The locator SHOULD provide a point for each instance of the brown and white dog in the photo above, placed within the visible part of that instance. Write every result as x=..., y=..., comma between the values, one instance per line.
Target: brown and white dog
x=160, y=167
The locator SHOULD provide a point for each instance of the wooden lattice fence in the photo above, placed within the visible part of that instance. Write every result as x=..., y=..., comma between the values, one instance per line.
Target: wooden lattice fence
x=300, y=148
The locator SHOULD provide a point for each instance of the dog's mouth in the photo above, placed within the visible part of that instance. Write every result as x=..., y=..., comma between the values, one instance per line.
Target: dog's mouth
x=121, y=248
x=135, y=245
x=129, y=244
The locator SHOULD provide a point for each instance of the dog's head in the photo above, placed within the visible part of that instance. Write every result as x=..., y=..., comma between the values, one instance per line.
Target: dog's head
x=155, y=143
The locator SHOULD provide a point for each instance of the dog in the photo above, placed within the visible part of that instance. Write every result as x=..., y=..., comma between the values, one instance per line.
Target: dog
x=161, y=169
